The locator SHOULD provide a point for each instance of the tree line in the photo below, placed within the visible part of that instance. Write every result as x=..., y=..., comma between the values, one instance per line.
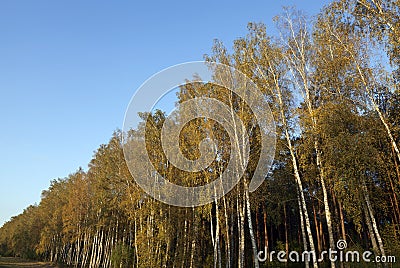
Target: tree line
x=332, y=86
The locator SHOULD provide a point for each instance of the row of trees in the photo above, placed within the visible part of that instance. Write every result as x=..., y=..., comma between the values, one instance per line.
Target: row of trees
x=335, y=99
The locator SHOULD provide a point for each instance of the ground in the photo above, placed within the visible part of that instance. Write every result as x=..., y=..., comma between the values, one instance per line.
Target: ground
x=6, y=262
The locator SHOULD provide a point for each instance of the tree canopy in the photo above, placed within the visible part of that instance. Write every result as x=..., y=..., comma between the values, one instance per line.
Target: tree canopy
x=335, y=176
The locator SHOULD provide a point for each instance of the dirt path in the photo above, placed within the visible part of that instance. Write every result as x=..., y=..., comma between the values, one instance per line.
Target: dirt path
x=8, y=262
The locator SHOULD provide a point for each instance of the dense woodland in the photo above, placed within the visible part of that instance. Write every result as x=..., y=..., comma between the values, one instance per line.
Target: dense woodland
x=332, y=85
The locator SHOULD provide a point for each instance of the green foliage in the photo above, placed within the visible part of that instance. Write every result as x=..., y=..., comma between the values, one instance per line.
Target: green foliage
x=122, y=256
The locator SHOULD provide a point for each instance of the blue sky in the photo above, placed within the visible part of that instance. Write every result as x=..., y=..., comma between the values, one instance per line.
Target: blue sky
x=68, y=70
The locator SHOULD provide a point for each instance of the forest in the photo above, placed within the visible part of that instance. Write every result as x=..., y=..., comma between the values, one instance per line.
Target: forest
x=332, y=84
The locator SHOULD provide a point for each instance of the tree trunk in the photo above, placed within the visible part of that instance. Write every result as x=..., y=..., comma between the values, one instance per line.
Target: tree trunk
x=241, y=232
x=370, y=229
x=266, y=244
x=249, y=222
x=228, y=244
x=277, y=94
x=193, y=246
x=286, y=232
x=298, y=179
x=342, y=221
x=303, y=232
x=327, y=214
x=184, y=241
x=316, y=229
x=374, y=225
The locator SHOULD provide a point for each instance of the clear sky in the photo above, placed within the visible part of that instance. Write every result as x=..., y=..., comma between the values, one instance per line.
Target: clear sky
x=68, y=70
